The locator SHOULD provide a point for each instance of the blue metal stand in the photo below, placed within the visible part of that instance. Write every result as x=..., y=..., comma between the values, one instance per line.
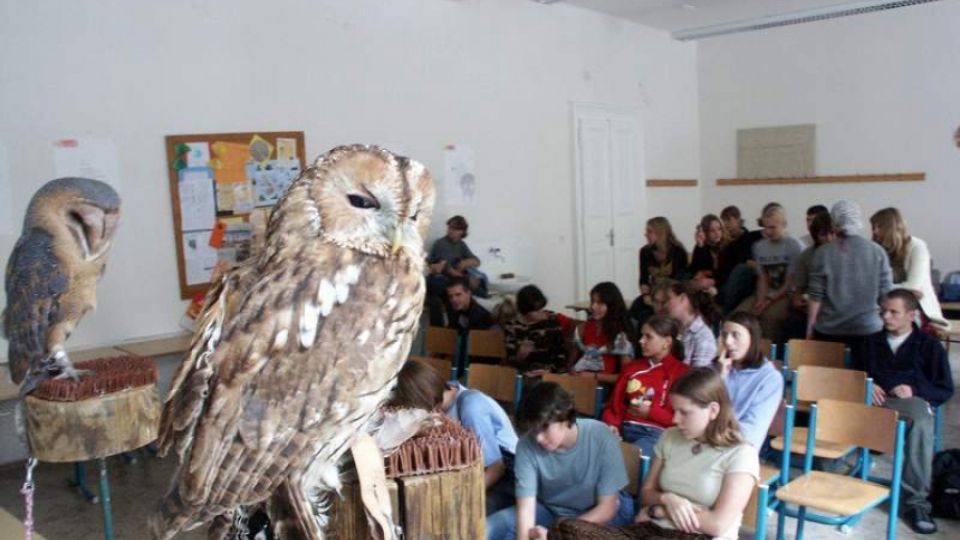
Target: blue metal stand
x=79, y=482
x=105, y=500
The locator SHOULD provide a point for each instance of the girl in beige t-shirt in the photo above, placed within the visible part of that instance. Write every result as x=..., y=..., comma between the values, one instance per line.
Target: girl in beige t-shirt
x=702, y=472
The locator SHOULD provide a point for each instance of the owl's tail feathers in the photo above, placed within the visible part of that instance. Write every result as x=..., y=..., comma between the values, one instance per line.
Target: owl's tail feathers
x=174, y=516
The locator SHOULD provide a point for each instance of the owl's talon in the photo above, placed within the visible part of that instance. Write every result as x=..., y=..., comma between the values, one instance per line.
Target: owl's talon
x=75, y=374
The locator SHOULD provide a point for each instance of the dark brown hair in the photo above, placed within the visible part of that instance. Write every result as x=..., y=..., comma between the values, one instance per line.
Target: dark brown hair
x=702, y=386
x=419, y=386
x=665, y=326
x=544, y=404
x=821, y=225
x=910, y=302
x=459, y=223
x=754, y=357
x=700, y=300
x=730, y=212
x=617, y=319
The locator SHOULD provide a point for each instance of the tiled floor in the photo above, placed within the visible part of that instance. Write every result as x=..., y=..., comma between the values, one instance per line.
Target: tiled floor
x=61, y=514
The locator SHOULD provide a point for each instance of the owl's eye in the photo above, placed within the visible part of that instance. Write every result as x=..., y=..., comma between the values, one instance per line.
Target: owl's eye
x=359, y=201
x=415, y=216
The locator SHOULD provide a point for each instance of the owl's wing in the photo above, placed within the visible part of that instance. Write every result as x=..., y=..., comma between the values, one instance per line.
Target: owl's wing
x=189, y=387
x=262, y=388
x=34, y=284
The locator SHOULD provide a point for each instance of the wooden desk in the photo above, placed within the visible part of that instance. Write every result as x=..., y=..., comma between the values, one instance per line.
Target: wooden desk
x=579, y=306
x=177, y=343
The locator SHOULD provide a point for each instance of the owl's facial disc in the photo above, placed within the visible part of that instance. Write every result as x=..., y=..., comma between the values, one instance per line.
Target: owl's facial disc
x=92, y=228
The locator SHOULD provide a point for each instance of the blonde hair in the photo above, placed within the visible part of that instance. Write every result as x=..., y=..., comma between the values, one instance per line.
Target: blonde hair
x=702, y=386
x=775, y=211
x=894, y=239
x=666, y=240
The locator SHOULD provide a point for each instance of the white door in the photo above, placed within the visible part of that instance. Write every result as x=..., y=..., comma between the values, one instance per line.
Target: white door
x=609, y=165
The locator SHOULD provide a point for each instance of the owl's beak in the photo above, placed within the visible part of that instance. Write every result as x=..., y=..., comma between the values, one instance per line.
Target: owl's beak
x=397, y=240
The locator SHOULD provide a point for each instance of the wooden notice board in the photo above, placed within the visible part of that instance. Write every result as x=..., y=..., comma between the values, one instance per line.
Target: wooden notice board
x=223, y=187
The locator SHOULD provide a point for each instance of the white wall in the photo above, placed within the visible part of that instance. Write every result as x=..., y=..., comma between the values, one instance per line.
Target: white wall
x=498, y=75
x=884, y=92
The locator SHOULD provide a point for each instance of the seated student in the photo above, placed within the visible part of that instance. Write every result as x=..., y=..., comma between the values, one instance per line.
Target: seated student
x=702, y=472
x=809, y=240
x=419, y=386
x=696, y=313
x=655, y=303
x=774, y=254
x=639, y=409
x=664, y=257
x=754, y=384
x=536, y=338
x=565, y=467
x=605, y=340
x=910, y=374
x=910, y=264
x=735, y=274
x=464, y=313
x=821, y=230
x=450, y=257
x=704, y=262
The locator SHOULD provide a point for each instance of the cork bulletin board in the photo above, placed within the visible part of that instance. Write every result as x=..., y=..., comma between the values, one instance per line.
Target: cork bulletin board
x=223, y=187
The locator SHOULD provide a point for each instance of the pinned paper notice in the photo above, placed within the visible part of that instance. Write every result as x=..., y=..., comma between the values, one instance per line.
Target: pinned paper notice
x=6, y=194
x=229, y=162
x=199, y=258
x=459, y=178
x=87, y=158
x=197, y=202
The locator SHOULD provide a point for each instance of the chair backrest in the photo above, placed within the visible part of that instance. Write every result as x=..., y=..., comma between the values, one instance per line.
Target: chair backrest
x=815, y=383
x=487, y=344
x=498, y=382
x=584, y=390
x=857, y=424
x=631, y=459
x=443, y=366
x=766, y=347
x=440, y=341
x=808, y=352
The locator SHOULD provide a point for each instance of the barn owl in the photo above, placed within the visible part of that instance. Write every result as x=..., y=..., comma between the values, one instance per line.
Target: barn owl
x=51, y=279
x=297, y=348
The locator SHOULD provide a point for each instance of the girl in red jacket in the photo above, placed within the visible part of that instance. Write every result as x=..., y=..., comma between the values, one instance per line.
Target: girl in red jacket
x=640, y=404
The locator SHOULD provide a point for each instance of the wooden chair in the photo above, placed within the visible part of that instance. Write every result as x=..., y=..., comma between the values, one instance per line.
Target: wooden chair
x=587, y=394
x=632, y=458
x=441, y=342
x=487, y=344
x=813, y=383
x=502, y=383
x=809, y=352
x=442, y=365
x=845, y=498
x=755, y=513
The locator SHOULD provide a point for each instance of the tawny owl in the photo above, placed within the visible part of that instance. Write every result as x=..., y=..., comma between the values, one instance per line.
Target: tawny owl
x=51, y=280
x=297, y=349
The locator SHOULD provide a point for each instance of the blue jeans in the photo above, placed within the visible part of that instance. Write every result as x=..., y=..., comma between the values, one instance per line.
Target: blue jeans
x=502, y=525
x=644, y=437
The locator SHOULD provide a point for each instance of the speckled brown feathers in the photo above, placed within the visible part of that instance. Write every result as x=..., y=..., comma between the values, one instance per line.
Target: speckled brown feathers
x=298, y=348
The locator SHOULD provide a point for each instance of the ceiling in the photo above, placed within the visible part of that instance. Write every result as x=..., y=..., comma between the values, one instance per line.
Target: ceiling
x=678, y=15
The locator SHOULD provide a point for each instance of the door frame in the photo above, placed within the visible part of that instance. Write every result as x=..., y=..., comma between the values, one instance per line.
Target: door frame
x=578, y=110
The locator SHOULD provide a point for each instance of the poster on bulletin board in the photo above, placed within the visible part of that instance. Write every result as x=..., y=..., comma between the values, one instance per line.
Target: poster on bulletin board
x=223, y=187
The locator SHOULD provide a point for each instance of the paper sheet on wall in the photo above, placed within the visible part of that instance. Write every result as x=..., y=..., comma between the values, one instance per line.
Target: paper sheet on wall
x=197, y=202
x=459, y=177
x=6, y=194
x=229, y=161
x=89, y=157
x=199, y=258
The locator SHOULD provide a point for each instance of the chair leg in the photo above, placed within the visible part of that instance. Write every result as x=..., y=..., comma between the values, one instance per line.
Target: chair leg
x=781, y=520
x=801, y=517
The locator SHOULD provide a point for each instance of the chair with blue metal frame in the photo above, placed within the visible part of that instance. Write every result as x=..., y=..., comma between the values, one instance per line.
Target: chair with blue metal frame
x=587, y=393
x=813, y=383
x=502, y=383
x=846, y=423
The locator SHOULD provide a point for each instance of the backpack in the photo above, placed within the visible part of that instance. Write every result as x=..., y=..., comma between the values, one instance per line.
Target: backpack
x=945, y=489
x=950, y=288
